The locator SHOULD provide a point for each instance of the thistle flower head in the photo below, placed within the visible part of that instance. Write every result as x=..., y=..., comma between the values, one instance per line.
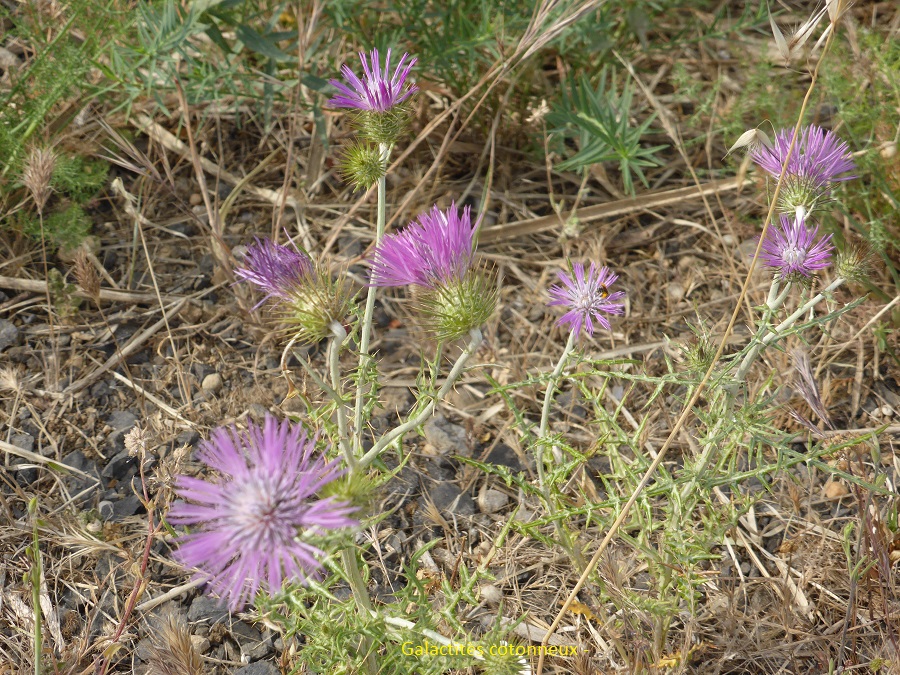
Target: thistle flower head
x=307, y=300
x=434, y=251
x=819, y=159
x=436, y=255
x=587, y=297
x=248, y=522
x=275, y=269
x=374, y=91
x=791, y=248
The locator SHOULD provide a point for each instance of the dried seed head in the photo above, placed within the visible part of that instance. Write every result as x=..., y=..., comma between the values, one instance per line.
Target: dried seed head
x=38, y=173
x=9, y=380
x=171, y=651
x=136, y=441
x=86, y=275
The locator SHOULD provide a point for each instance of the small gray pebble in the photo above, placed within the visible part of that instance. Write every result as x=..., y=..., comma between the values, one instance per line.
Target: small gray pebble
x=106, y=509
x=491, y=501
x=445, y=437
x=449, y=498
x=258, y=668
x=210, y=610
x=201, y=644
x=258, y=412
x=9, y=334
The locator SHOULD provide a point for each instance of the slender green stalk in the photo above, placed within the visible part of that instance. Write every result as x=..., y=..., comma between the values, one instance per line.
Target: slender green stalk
x=36, y=587
x=361, y=597
x=475, y=339
x=365, y=332
x=334, y=365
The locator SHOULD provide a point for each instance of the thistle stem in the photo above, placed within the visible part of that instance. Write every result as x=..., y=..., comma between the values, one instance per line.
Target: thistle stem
x=783, y=326
x=366, y=327
x=545, y=412
x=475, y=340
x=334, y=358
x=552, y=385
x=361, y=597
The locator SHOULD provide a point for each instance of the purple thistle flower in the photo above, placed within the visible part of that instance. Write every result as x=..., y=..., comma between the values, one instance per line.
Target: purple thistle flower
x=792, y=250
x=587, y=298
x=374, y=91
x=819, y=156
x=248, y=520
x=274, y=269
x=434, y=251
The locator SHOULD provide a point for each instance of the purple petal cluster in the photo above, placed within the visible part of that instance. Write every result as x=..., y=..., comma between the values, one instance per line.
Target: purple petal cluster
x=588, y=298
x=247, y=521
x=819, y=156
x=275, y=269
x=792, y=249
x=374, y=92
x=434, y=251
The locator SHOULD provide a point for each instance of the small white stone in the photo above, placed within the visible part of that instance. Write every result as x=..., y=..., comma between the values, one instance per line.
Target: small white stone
x=675, y=290
x=212, y=383
x=491, y=594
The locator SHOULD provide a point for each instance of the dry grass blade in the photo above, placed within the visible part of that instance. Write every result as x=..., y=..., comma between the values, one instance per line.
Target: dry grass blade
x=106, y=294
x=40, y=459
x=619, y=207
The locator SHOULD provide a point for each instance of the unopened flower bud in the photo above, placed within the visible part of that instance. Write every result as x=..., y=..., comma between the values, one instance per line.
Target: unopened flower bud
x=855, y=262
x=362, y=164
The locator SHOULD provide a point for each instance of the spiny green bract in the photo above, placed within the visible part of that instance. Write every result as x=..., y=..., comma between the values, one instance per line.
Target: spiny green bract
x=313, y=307
x=382, y=127
x=356, y=488
x=855, y=262
x=699, y=351
x=451, y=310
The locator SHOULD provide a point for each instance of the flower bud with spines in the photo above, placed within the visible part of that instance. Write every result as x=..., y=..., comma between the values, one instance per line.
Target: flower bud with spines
x=362, y=164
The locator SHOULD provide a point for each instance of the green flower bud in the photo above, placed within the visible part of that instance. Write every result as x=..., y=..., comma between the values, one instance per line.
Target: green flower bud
x=362, y=164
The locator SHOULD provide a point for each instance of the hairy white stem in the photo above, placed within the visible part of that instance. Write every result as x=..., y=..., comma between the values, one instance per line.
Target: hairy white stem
x=334, y=361
x=782, y=327
x=365, y=331
x=545, y=412
x=475, y=339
